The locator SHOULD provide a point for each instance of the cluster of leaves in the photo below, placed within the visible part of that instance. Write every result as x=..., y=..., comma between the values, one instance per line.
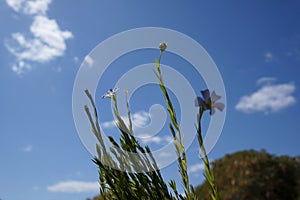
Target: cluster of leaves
x=118, y=179
x=255, y=175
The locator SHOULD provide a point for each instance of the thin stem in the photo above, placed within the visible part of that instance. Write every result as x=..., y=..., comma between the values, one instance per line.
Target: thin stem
x=178, y=138
x=208, y=172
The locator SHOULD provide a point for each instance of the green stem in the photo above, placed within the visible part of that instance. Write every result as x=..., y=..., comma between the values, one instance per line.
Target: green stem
x=178, y=138
x=208, y=171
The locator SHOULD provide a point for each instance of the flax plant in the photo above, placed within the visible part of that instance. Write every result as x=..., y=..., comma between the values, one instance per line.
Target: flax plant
x=131, y=173
x=208, y=102
x=176, y=133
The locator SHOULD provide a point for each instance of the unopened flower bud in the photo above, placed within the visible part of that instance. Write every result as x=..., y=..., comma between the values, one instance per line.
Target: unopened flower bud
x=162, y=46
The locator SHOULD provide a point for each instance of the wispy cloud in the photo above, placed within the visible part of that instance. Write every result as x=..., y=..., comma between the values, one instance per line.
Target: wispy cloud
x=43, y=43
x=28, y=148
x=88, y=60
x=48, y=41
x=268, y=57
x=155, y=139
x=139, y=119
x=29, y=7
x=196, y=168
x=109, y=124
x=266, y=80
x=269, y=98
x=14, y=4
x=74, y=187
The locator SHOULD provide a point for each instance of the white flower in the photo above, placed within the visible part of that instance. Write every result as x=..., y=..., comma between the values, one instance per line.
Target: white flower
x=110, y=93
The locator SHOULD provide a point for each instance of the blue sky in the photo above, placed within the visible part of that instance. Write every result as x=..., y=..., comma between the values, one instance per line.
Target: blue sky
x=255, y=44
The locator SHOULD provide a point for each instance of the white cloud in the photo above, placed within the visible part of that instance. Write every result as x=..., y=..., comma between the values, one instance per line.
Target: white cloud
x=155, y=139
x=16, y=5
x=139, y=119
x=196, y=168
x=269, y=98
x=36, y=7
x=265, y=80
x=74, y=186
x=268, y=57
x=109, y=124
x=28, y=148
x=48, y=41
x=20, y=66
x=88, y=60
x=30, y=7
x=45, y=41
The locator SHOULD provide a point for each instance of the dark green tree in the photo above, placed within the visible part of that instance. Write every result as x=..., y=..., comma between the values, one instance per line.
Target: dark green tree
x=255, y=175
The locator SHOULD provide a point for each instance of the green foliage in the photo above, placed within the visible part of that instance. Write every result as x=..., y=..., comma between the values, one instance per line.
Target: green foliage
x=255, y=175
x=126, y=183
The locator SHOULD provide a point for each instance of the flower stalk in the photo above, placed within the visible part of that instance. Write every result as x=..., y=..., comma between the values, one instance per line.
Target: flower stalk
x=176, y=132
x=208, y=102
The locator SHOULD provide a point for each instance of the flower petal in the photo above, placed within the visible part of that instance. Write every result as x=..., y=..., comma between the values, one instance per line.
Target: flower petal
x=219, y=106
x=105, y=95
x=214, y=97
x=199, y=102
x=115, y=89
x=205, y=94
x=110, y=92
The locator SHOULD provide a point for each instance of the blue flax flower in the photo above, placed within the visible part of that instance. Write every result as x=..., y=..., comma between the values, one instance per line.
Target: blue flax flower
x=110, y=93
x=208, y=102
